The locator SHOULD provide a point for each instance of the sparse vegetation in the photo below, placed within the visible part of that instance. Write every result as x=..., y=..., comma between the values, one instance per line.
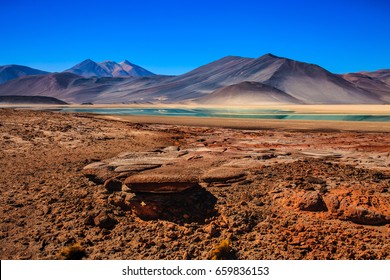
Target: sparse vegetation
x=73, y=252
x=223, y=251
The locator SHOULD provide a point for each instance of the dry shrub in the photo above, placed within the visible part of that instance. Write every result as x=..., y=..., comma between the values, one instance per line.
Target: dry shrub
x=73, y=252
x=223, y=251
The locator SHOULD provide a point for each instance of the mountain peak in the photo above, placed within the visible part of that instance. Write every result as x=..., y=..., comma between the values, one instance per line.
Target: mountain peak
x=269, y=55
x=134, y=70
x=108, y=68
x=88, y=60
x=126, y=62
x=108, y=61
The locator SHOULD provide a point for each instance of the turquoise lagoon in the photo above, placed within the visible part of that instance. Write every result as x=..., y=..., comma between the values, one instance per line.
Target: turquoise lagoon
x=230, y=113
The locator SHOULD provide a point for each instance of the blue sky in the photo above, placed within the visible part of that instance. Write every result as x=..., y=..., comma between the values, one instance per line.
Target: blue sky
x=172, y=37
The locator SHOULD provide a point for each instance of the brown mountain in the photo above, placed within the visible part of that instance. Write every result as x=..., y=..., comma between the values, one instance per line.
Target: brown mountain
x=246, y=93
x=382, y=75
x=375, y=86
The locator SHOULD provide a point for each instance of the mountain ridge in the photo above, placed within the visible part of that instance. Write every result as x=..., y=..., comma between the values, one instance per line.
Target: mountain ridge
x=108, y=68
x=289, y=80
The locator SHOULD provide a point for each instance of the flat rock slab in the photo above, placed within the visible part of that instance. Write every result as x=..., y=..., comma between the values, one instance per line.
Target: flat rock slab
x=322, y=155
x=96, y=165
x=160, y=183
x=223, y=174
x=136, y=167
x=131, y=163
x=165, y=187
x=141, y=160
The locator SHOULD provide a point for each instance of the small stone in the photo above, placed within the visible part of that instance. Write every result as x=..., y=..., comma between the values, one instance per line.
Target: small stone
x=186, y=216
x=171, y=235
x=89, y=221
x=46, y=209
x=186, y=256
x=171, y=149
x=212, y=230
x=113, y=185
x=333, y=204
x=126, y=189
x=105, y=221
x=315, y=180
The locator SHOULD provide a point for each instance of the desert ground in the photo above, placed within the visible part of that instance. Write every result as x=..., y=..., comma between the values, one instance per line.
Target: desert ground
x=157, y=188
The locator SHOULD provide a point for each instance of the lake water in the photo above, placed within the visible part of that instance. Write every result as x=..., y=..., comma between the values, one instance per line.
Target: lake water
x=230, y=113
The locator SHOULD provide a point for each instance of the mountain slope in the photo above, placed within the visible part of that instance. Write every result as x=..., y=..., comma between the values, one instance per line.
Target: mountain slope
x=370, y=84
x=16, y=99
x=134, y=70
x=10, y=72
x=382, y=75
x=315, y=85
x=196, y=83
x=247, y=93
x=73, y=88
x=89, y=68
x=305, y=82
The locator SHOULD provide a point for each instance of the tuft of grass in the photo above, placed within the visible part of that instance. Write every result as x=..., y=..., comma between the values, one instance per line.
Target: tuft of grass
x=73, y=252
x=223, y=251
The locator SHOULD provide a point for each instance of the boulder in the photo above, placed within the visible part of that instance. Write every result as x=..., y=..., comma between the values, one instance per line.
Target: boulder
x=175, y=198
x=312, y=201
x=365, y=216
x=105, y=221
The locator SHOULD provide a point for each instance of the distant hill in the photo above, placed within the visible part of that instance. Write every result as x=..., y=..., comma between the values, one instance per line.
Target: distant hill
x=10, y=72
x=246, y=93
x=18, y=99
x=89, y=68
x=370, y=83
x=73, y=88
x=382, y=75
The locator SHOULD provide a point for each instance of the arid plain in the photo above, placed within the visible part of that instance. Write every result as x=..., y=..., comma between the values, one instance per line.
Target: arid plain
x=164, y=188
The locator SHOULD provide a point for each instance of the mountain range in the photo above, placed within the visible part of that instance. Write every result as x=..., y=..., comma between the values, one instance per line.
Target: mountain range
x=231, y=80
x=108, y=68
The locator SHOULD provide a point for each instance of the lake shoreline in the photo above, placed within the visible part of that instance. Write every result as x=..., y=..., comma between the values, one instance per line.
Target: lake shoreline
x=254, y=124
x=239, y=123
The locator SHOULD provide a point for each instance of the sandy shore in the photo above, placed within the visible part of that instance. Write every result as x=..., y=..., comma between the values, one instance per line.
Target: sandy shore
x=256, y=123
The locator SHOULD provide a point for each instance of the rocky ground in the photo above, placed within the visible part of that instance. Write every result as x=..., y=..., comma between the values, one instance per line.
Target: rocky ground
x=142, y=191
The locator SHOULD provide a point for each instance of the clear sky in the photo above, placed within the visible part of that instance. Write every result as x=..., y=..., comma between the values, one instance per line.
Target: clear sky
x=172, y=37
